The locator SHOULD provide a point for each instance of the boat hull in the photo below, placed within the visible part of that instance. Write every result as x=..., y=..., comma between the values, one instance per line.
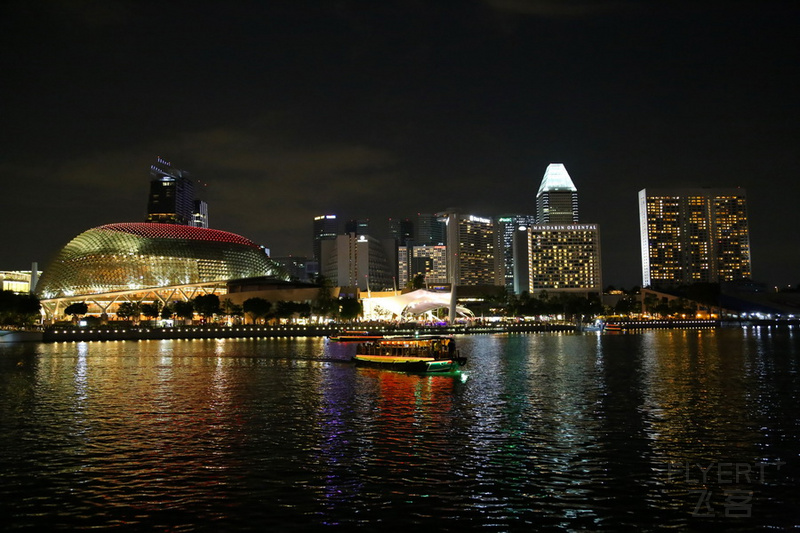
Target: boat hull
x=408, y=364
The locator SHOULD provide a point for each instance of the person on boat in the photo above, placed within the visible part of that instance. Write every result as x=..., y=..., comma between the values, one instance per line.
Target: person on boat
x=437, y=347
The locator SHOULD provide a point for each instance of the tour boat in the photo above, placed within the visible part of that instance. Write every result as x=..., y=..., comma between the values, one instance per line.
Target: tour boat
x=355, y=336
x=613, y=327
x=411, y=354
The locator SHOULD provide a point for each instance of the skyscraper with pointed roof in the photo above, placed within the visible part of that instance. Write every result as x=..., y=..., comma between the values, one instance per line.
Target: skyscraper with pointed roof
x=557, y=199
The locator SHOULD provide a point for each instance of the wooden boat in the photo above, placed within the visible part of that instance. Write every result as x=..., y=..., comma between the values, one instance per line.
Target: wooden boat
x=411, y=354
x=355, y=336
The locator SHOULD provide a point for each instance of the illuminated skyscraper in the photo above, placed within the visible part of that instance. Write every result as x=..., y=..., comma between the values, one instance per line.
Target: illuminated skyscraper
x=693, y=235
x=557, y=198
x=564, y=258
x=470, y=250
x=172, y=195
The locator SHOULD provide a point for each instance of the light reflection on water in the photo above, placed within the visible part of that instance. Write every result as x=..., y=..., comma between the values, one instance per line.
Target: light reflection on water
x=538, y=431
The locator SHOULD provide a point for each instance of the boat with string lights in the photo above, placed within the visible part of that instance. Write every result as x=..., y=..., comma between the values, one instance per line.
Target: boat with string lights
x=434, y=353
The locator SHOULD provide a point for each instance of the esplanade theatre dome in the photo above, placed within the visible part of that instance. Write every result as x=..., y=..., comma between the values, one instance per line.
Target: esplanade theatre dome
x=141, y=255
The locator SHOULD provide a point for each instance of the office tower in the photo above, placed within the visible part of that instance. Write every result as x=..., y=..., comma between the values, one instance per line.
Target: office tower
x=430, y=230
x=430, y=261
x=470, y=249
x=200, y=214
x=693, y=235
x=359, y=261
x=326, y=228
x=172, y=195
x=557, y=198
x=401, y=230
x=505, y=228
x=564, y=258
x=358, y=226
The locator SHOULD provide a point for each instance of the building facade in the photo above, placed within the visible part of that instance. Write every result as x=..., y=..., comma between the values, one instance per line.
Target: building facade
x=326, y=228
x=430, y=230
x=564, y=258
x=359, y=261
x=694, y=236
x=557, y=197
x=505, y=226
x=470, y=250
x=429, y=261
x=172, y=195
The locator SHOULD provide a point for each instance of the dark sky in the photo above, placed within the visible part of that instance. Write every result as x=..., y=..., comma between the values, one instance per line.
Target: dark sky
x=377, y=109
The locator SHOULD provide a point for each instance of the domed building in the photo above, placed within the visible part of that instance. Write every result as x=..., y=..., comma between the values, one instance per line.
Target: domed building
x=147, y=262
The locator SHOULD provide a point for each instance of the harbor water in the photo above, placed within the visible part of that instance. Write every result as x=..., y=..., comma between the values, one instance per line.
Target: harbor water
x=646, y=431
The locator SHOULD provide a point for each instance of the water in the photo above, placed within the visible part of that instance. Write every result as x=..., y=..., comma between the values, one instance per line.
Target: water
x=538, y=432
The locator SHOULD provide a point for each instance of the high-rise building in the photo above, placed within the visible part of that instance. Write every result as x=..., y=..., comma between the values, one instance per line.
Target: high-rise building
x=557, y=198
x=326, y=228
x=401, y=230
x=359, y=261
x=505, y=228
x=470, y=249
x=200, y=214
x=694, y=235
x=172, y=195
x=564, y=258
x=430, y=261
x=430, y=230
x=358, y=226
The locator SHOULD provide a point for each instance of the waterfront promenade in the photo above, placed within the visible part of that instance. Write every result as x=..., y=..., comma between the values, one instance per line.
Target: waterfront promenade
x=110, y=332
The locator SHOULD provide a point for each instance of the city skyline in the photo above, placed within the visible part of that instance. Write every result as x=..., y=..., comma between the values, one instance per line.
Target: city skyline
x=374, y=111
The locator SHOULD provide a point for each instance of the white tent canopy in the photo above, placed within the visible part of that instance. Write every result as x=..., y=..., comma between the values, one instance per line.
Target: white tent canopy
x=412, y=303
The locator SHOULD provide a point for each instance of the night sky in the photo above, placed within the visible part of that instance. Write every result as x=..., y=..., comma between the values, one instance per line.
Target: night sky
x=379, y=109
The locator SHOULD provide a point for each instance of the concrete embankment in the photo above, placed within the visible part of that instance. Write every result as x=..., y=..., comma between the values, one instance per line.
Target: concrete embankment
x=109, y=333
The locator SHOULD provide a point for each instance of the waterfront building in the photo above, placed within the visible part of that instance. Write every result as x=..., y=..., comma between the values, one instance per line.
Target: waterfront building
x=359, y=261
x=557, y=197
x=146, y=262
x=429, y=261
x=326, y=228
x=506, y=226
x=172, y=196
x=564, y=258
x=471, y=249
x=694, y=235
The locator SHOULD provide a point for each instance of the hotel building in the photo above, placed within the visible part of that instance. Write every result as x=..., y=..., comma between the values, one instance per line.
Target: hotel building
x=430, y=261
x=693, y=235
x=470, y=250
x=564, y=258
x=359, y=261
